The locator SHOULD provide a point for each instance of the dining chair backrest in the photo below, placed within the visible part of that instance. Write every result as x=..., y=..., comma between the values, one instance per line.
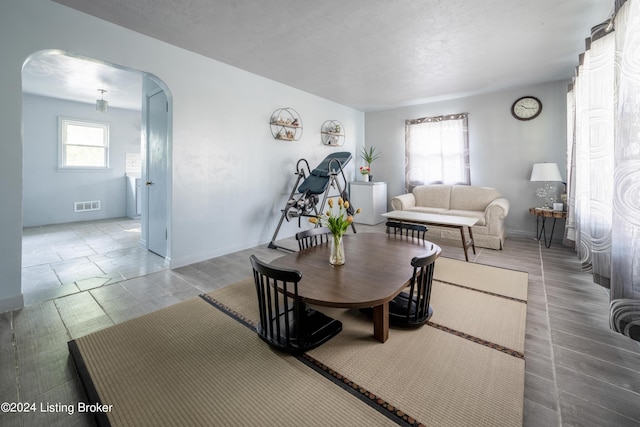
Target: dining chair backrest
x=404, y=229
x=413, y=308
x=277, y=292
x=313, y=237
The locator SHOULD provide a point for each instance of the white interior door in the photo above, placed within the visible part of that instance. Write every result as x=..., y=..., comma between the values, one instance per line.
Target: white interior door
x=157, y=182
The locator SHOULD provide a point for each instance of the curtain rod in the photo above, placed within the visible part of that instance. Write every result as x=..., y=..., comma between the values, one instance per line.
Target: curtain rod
x=436, y=119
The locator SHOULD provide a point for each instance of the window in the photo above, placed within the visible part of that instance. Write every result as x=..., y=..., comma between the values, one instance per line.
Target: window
x=437, y=151
x=83, y=144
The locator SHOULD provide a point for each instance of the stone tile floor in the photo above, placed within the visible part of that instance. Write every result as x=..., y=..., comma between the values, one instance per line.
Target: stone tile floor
x=64, y=259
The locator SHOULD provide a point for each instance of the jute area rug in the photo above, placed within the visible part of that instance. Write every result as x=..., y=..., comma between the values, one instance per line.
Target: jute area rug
x=465, y=368
x=193, y=364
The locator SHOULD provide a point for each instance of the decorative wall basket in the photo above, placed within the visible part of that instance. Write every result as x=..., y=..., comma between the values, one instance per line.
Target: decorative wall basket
x=286, y=124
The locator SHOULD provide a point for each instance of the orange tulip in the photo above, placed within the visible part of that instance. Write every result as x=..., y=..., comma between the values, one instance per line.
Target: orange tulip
x=313, y=220
x=358, y=210
x=346, y=204
x=330, y=203
x=349, y=219
x=340, y=201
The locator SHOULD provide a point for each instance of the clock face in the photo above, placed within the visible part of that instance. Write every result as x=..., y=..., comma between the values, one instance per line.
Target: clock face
x=526, y=108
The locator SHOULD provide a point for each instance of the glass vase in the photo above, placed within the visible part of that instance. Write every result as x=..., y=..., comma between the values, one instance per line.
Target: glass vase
x=337, y=251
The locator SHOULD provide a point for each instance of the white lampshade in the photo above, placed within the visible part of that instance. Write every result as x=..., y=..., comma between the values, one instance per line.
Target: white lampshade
x=546, y=172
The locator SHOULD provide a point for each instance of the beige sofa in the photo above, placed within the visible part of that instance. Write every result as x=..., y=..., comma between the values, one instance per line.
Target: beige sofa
x=484, y=203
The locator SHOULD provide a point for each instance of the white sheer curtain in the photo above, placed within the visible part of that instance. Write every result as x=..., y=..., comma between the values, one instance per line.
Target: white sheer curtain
x=437, y=151
x=570, y=224
x=603, y=164
x=591, y=174
x=625, y=271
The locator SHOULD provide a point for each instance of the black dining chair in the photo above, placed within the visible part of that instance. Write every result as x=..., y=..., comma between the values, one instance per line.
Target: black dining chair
x=313, y=237
x=286, y=322
x=404, y=229
x=412, y=307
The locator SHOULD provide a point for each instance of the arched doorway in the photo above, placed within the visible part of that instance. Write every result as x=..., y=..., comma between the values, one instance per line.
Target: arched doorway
x=59, y=85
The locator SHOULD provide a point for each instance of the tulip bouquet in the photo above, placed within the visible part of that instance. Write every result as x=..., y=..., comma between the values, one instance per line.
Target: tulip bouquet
x=338, y=222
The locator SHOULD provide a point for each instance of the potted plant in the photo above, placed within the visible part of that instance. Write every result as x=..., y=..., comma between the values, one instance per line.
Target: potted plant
x=368, y=155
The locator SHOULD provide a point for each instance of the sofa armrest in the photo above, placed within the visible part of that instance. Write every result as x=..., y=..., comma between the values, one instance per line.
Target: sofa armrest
x=403, y=202
x=495, y=213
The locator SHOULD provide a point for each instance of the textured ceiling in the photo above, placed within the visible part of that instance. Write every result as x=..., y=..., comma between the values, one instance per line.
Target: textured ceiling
x=374, y=54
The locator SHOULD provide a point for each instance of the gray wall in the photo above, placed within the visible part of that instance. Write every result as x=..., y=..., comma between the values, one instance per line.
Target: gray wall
x=229, y=177
x=502, y=149
x=48, y=192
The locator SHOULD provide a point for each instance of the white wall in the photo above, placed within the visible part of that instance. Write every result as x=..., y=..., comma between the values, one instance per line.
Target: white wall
x=49, y=193
x=230, y=178
x=502, y=149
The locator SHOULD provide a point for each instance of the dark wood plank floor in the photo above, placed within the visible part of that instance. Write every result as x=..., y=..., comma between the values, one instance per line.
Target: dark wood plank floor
x=578, y=372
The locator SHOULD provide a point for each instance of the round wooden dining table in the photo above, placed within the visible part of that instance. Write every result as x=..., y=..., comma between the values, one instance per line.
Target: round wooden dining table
x=377, y=268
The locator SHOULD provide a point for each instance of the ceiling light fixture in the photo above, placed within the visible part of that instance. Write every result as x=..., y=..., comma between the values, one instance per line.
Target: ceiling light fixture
x=102, y=105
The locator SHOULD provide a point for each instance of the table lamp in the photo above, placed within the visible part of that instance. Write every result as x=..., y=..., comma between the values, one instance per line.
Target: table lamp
x=548, y=173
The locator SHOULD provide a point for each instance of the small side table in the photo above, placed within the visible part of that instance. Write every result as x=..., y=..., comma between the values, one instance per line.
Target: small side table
x=545, y=213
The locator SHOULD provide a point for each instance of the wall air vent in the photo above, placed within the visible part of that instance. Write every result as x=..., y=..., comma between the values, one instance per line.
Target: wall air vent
x=86, y=206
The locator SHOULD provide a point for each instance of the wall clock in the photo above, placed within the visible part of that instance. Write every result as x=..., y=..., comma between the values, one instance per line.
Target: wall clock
x=526, y=108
